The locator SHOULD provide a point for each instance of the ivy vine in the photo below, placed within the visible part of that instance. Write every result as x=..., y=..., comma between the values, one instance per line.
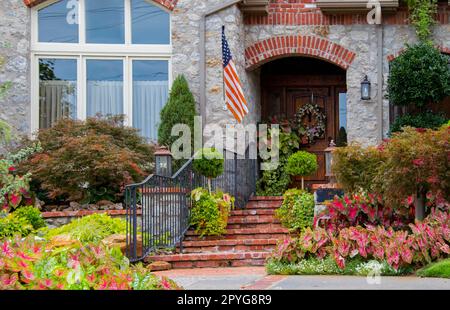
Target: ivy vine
x=422, y=17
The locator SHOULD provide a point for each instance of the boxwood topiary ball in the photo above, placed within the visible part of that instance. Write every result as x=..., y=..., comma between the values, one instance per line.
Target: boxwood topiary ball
x=210, y=164
x=302, y=163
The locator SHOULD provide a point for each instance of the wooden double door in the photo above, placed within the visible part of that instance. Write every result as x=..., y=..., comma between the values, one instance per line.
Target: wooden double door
x=283, y=97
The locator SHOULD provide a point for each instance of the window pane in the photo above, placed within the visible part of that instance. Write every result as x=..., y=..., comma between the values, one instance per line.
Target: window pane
x=57, y=90
x=150, y=24
x=105, y=21
x=104, y=87
x=150, y=92
x=58, y=22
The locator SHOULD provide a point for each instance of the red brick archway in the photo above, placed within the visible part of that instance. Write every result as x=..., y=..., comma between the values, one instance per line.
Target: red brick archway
x=169, y=4
x=282, y=46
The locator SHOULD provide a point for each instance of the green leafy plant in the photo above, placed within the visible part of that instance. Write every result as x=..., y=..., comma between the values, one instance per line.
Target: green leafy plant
x=91, y=228
x=32, y=215
x=276, y=181
x=297, y=210
x=5, y=133
x=180, y=109
x=419, y=76
x=11, y=225
x=209, y=163
x=30, y=264
x=209, y=213
x=422, y=16
x=423, y=120
x=302, y=163
x=88, y=161
x=355, y=166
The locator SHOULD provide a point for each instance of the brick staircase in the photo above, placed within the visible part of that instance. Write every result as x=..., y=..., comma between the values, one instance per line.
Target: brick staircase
x=251, y=235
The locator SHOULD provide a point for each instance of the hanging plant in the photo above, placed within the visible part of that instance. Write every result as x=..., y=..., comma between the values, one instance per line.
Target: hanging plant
x=316, y=131
x=422, y=16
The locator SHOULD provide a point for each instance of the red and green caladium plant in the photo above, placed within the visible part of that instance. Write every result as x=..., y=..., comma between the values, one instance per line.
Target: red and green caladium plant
x=425, y=242
x=364, y=209
x=33, y=264
x=15, y=188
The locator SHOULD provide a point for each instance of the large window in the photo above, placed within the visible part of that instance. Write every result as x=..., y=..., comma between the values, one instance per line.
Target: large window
x=100, y=57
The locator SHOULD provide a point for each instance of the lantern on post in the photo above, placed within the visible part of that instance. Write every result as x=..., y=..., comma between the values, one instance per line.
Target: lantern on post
x=365, y=89
x=163, y=162
x=329, y=161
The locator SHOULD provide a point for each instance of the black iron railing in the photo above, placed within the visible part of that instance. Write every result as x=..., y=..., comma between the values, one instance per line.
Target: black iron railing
x=157, y=209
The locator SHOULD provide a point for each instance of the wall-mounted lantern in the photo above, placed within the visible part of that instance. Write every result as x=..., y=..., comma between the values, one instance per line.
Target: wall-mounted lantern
x=365, y=89
x=329, y=161
x=163, y=162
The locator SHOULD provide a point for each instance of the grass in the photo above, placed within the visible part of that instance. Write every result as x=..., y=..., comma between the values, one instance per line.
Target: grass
x=328, y=266
x=440, y=269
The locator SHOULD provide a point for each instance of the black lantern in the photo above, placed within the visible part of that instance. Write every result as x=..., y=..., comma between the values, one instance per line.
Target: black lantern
x=163, y=162
x=365, y=89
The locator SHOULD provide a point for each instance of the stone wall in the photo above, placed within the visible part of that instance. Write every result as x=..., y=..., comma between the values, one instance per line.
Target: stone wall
x=15, y=63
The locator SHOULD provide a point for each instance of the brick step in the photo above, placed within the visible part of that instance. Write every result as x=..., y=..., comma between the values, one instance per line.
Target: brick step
x=211, y=260
x=263, y=204
x=255, y=226
x=243, y=233
x=245, y=212
x=252, y=219
x=229, y=245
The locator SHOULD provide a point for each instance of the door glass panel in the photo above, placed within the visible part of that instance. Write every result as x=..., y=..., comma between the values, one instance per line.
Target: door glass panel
x=342, y=135
x=105, y=21
x=150, y=24
x=57, y=90
x=58, y=22
x=150, y=92
x=104, y=87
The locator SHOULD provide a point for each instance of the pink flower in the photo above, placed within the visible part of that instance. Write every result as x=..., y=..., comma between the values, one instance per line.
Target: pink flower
x=410, y=200
x=14, y=199
x=11, y=169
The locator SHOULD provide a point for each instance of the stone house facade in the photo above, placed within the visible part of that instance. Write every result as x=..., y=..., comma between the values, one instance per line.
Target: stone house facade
x=271, y=41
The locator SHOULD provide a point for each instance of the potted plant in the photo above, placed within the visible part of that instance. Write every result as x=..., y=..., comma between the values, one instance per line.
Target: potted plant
x=303, y=164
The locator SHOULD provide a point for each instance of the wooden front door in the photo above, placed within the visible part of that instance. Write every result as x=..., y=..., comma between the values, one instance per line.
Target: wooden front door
x=296, y=99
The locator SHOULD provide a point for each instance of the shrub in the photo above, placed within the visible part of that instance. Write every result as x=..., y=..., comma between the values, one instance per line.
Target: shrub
x=89, y=161
x=355, y=167
x=440, y=269
x=415, y=160
x=365, y=210
x=297, y=210
x=419, y=76
x=276, y=181
x=92, y=228
x=301, y=163
x=32, y=215
x=424, y=120
x=209, y=213
x=11, y=225
x=30, y=264
x=180, y=109
x=210, y=164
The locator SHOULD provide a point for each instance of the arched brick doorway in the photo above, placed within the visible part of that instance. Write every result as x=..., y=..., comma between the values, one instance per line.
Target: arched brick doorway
x=288, y=84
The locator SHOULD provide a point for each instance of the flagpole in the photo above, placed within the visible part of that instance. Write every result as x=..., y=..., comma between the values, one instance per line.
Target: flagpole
x=224, y=106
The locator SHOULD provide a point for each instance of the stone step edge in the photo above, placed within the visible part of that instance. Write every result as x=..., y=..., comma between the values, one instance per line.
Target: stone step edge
x=229, y=242
x=248, y=231
x=208, y=256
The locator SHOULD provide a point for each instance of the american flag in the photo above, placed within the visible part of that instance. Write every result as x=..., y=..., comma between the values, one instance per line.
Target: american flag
x=234, y=96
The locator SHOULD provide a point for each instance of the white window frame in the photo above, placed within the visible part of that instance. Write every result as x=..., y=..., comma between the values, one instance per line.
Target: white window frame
x=81, y=51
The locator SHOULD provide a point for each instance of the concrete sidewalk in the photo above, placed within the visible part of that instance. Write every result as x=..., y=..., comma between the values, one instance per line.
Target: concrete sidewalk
x=255, y=278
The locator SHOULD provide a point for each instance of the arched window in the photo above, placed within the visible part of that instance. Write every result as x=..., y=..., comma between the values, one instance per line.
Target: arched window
x=100, y=57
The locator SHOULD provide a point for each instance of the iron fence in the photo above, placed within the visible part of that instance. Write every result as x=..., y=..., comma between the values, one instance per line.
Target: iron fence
x=157, y=209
